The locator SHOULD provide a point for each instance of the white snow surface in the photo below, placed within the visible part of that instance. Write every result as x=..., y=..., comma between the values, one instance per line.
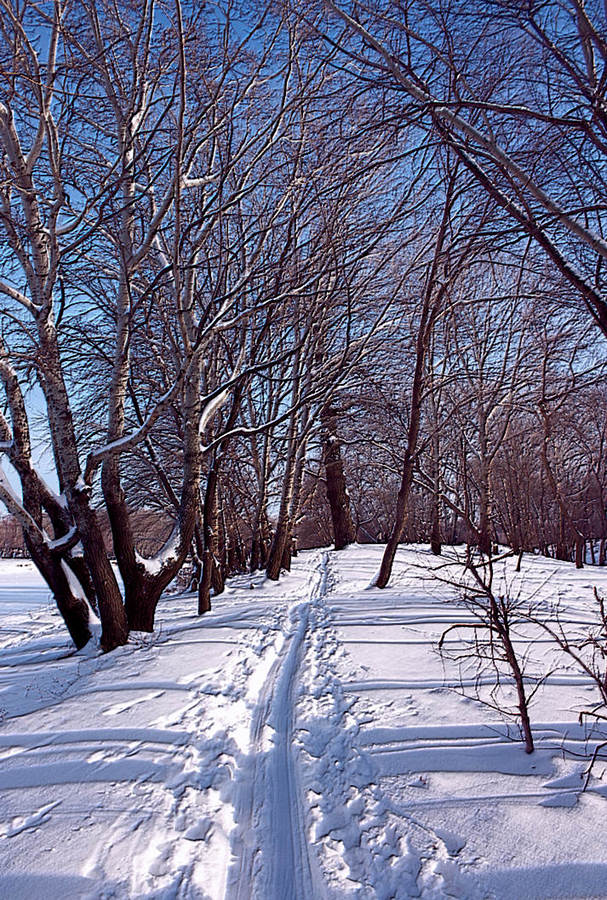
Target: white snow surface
x=304, y=740
x=22, y=590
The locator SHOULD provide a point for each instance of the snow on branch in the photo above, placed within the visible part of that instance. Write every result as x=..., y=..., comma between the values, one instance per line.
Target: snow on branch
x=16, y=508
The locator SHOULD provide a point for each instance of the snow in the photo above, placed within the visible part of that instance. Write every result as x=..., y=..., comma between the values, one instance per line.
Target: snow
x=302, y=740
x=153, y=565
x=22, y=589
x=62, y=541
x=210, y=408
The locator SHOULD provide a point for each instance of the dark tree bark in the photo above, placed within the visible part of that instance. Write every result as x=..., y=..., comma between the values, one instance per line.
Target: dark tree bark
x=143, y=587
x=484, y=525
x=500, y=623
x=212, y=573
x=74, y=610
x=35, y=498
x=435, y=526
x=344, y=532
x=209, y=555
x=433, y=297
x=435, y=535
x=279, y=553
x=261, y=541
x=282, y=543
x=111, y=609
x=280, y=539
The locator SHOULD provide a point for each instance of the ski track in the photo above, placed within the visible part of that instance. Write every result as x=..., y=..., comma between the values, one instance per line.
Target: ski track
x=270, y=844
x=268, y=772
x=171, y=781
x=312, y=819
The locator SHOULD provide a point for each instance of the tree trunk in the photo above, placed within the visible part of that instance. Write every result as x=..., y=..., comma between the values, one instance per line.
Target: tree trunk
x=36, y=496
x=579, y=552
x=337, y=492
x=282, y=534
x=74, y=609
x=141, y=605
x=435, y=537
x=484, y=532
x=433, y=297
x=435, y=529
x=217, y=579
x=261, y=541
x=387, y=562
x=196, y=553
x=287, y=554
x=143, y=588
x=293, y=495
x=275, y=557
x=209, y=555
x=114, y=626
x=80, y=569
x=500, y=625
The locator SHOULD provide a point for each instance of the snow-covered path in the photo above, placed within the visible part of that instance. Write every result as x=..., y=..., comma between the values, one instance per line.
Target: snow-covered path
x=271, y=851
x=302, y=741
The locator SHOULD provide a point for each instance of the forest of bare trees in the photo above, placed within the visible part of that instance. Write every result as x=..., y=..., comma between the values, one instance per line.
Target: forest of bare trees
x=274, y=275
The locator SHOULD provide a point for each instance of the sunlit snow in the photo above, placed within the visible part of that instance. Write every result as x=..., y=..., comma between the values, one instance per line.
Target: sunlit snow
x=303, y=740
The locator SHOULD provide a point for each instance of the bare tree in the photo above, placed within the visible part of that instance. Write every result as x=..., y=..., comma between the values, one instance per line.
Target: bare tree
x=494, y=642
x=39, y=224
x=536, y=156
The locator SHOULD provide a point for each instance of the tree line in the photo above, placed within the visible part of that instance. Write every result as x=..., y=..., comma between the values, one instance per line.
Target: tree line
x=266, y=270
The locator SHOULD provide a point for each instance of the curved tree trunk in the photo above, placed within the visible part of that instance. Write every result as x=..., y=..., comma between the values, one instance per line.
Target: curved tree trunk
x=400, y=517
x=145, y=580
x=36, y=497
x=111, y=609
x=74, y=609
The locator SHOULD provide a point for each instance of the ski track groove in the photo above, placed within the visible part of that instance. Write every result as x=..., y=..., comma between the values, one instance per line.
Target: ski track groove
x=271, y=844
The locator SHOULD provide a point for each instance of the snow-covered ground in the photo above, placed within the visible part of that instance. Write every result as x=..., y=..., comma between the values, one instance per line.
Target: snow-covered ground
x=22, y=588
x=303, y=740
